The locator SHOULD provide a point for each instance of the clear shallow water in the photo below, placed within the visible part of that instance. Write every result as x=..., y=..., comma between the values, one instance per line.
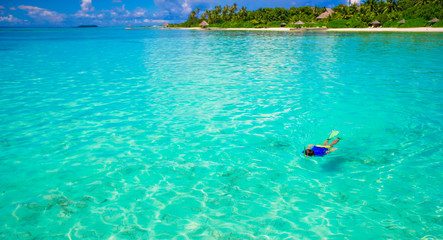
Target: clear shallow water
x=161, y=134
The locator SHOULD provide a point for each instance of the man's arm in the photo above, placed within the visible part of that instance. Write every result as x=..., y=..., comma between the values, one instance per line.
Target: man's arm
x=310, y=146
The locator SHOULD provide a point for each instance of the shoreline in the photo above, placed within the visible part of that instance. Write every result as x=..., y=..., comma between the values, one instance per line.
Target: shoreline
x=420, y=29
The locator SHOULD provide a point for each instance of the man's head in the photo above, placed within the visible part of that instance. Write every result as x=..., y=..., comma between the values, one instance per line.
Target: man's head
x=309, y=152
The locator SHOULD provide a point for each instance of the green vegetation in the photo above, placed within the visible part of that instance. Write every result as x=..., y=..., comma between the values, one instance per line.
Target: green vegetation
x=419, y=22
x=343, y=23
x=340, y=23
x=416, y=13
x=438, y=24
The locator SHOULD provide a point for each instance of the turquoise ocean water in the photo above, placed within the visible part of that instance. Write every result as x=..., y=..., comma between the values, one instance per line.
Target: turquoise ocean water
x=176, y=134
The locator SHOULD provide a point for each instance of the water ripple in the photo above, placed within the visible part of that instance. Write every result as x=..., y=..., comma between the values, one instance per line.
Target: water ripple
x=166, y=134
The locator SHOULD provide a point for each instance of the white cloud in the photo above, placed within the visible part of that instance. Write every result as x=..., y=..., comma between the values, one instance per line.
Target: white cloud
x=2, y=7
x=160, y=14
x=182, y=8
x=10, y=19
x=87, y=6
x=114, y=16
x=175, y=7
x=43, y=14
x=12, y=8
x=139, y=12
x=186, y=7
x=116, y=1
x=119, y=12
x=123, y=13
x=352, y=2
x=81, y=14
x=156, y=21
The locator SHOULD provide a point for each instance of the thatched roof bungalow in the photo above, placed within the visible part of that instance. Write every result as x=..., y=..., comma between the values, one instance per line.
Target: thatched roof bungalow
x=401, y=21
x=325, y=14
x=432, y=21
x=299, y=23
x=282, y=24
x=165, y=25
x=204, y=24
x=376, y=23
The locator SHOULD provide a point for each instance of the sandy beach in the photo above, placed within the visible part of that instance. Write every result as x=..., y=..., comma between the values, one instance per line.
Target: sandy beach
x=421, y=29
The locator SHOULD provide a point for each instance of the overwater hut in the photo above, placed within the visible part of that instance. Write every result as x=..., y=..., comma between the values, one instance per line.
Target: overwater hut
x=282, y=24
x=165, y=25
x=376, y=23
x=401, y=21
x=204, y=24
x=432, y=21
x=325, y=14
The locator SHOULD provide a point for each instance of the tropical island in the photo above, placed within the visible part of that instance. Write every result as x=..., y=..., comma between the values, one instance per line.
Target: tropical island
x=87, y=26
x=371, y=13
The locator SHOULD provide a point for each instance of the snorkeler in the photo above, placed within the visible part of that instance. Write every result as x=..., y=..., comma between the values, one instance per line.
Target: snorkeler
x=322, y=150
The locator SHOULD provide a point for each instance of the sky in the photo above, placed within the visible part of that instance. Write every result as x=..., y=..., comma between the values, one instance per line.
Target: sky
x=69, y=13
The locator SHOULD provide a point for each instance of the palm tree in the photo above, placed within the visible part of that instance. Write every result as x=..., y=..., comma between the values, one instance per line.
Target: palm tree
x=233, y=9
x=225, y=12
x=390, y=6
x=316, y=11
x=421, y=2
x=243, y=12
x=193, y=14
x=354, y=9
x=217, y=10
x=216, y=14
x=371, y=4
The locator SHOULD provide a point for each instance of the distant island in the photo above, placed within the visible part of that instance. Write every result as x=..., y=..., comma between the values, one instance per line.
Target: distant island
x=371, y=13
x=87, y=26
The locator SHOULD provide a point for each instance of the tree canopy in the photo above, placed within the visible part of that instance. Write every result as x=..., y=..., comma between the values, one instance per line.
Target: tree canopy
x=417, y=13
